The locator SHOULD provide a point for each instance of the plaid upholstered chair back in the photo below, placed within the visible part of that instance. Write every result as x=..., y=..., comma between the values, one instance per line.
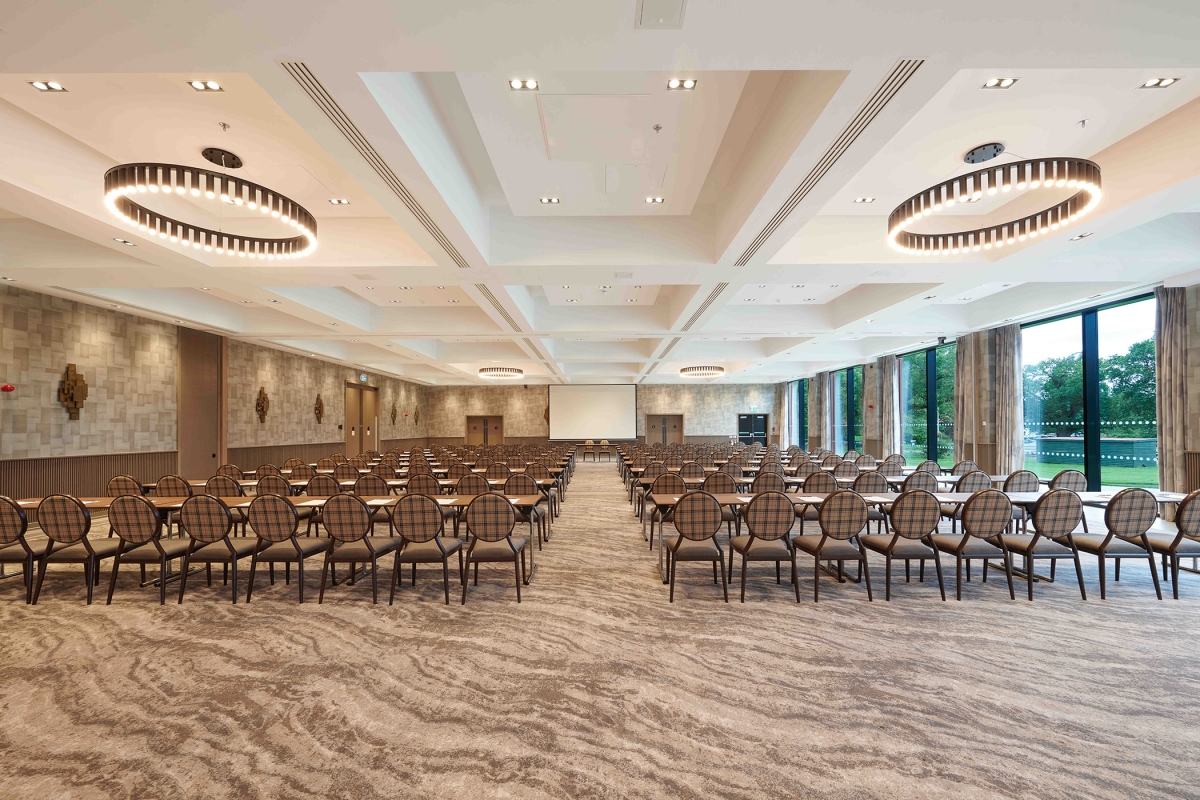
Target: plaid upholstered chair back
x=850, y=455
x=63, y=519
x=345, y=472
x=338, y=458
x=172, y=486
x=733, y=470
x=360, y=462
x=424, y=484
x=770, y=515
x=1023, y=480
x=457, y=471
x=371, y=486
x=320, y=486
x=223, y=486
x=483, y=462
x=820, y=483
x=831, y=460
x=1071, y=479
x=768, y=482
x=273, y=518
x=668, y=483
x=303, y=472
x=705, y=461
x=120, y=485
x=925, y=481
x=771, y=466
x=13, y=522
x=230, y=471
x=865, y=460
x=963, y=467
x=719, y=483
x=521, y=484
x=890, y=468
x=266, y=469
x=805, y=467
x=346, y=517
x=538, y=472
x=846, y=469
x=1187, y=516
x=986, y=514
x=691, y=470
x=974, y=481
x=1057, y=513
x=515, y=462
x=871, y=483
x=472, y=484
x=673, y=462
x=915, y=514
x=497, y=472
x=640, y=462
x=1130, y=513
x=205, y=518
x=326, y=463
x=654, y=469
x=275, y=484
x=895, y=458
x=292, y=463
x=931, y=467
x=417, y=518
x=420, y=468
x=134, y=519
x=490, y=517
x=738, y=460
x=698, y=516
x=843, y=515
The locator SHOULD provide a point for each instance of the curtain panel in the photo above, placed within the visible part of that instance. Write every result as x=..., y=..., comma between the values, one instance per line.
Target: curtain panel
x=1009, y=400
x=1170, y=351
x=888, y=375
x=818, y=418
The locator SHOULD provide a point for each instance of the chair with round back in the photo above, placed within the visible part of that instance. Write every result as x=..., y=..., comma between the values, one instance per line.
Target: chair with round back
x=1054, y=516
x=172, y=486
x=457, y=471
x=805, y=467
x=138, y=526
x=374, y=486
x=515, y=462
x=851, y=455
x=984, y=518
x=719, y=483
x=326, y=463
x=925, y=481
x=224, y=486
x=498, y=472
x=490, y=521
x=652, y=471
x=831, y=460
x=522, y=484
x=360, y=462
x=691, y=469
x=121, y=485
x=769, y=519
x=338, y=458
x=384, y=470
x=423, y=468
x=968, y=483
x=866, y=460
x=1076, y=481
x=423, y=484
x=318, y=486
x=673, y=462
x=1184, y=542
x=231, y=471
x=896, y=458
x=1023, y=480
x=275, y=484
x=275, y=522
x=820, y=483
x=665, y=486
x=930, y=466
x=345, y=472
x=890, y=469
x=539, y=472
x=842, y=518
x=66, y=522
x=697, y=518
x=14, y=549
x=706, y=461
x=350, y=523
x=733, y=470
x=302, y=472
x=873, y=483
x=768, y=482
x=292, y=463
x=483, y=463
x=208, y=523
x=266, y=469
x=771, y=466
x=963, y=467
x=846, y=469
x=914, y=518
x=419, y=524
x=472, y=485
x=1128, y=517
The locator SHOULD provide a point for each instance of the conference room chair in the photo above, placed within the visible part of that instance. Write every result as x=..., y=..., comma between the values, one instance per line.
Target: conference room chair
x=539, y=472
x=274, y=521
x=266, y=469
x=873, y=483
x=1185, y=542
x=866, y=460
x=66, y=522
x=422, y=468
x=121, y=485
x=831, y=460
x=302, y=473
x=817, y=483
x=890, y=468
x=1128, y=517
x=326, y=463
x=768, y=482
x=921, y=479
x=522, y=484
x=208, y=523
x=483, y=462
x=360, y=461
x=1054, y=517
x=697, y=519
x=471, y=485
x=231, y=471
x=138, y=527
x=345, y=472
x=338, y=458
x=384, y=471
x=419, y=524
x=373, y=486
x=850, y=455
x=515, y=462
x=171, y=486
x=292, y=463
x=652, y=471
x=497, y=472
x=691, y=469
x=666, y=485
x=723, y=483
x=733, y=470
x=846, y=469
x=964, y=467
x=985, y=517
x=1074, y=480
x=224, y=486
x=490, y=520
x=14, y=548
x=350, y=525
x=1022, y=480
x=842, y=518
x=673, y=462
x=895, y=458
x=804, y=468
x=769, y=519
x=913, y=521
x=932, y=467
x=970, y=482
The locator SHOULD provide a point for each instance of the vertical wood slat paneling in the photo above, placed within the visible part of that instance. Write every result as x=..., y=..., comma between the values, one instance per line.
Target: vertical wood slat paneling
x=1191, y=470
x=82, y=476
x=253, y=457
x=403, y=444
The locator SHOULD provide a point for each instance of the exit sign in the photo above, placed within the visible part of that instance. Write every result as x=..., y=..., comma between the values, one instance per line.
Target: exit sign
x=362, y=377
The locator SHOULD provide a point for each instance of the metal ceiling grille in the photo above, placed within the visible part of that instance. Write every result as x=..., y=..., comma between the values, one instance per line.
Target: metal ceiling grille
x=491, y=298
x=712, y=298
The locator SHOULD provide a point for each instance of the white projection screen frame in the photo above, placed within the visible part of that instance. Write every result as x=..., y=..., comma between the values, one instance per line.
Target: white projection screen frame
x=593, y=411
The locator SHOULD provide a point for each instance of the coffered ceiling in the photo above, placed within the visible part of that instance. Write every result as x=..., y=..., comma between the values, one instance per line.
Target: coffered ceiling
x=445, y=259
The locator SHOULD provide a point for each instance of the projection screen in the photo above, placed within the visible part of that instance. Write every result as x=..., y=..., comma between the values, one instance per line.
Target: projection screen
x=593, y=412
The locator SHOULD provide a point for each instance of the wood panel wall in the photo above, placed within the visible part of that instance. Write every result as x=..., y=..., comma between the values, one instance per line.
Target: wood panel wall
x=403, y=444
x=82, y=476
x=254, y=457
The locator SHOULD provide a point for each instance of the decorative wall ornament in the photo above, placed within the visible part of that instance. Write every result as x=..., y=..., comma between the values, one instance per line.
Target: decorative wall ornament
x=262, y=404
x=8, y=387
x=393, y=413
x=319, y=409
x=547, y=414
x=72, y=392
x=417, y=416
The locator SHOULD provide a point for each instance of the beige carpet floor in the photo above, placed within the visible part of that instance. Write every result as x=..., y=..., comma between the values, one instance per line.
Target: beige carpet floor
x=596, y=686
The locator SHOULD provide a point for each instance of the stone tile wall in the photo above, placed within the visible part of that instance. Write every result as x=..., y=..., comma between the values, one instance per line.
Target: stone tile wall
x=524, y=410
x=709, y=410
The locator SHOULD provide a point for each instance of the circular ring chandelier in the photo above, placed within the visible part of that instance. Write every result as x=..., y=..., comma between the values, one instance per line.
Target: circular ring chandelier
x=1076, y=173
x=701, y=372
x=124, y=182
x=500, y=373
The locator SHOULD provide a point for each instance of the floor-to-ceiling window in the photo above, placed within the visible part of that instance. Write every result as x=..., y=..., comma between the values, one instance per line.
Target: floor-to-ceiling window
x=914, y=421
x=856, y=402
x=927, y=405
x=800, y=411
x=944, y=358
x=841, y=411
x=1090, y=395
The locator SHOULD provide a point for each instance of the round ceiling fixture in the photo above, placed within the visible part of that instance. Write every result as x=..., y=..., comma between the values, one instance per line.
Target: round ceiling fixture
x=122, y=183
x=1076, y=173
x=500, y=373
x=701, y=372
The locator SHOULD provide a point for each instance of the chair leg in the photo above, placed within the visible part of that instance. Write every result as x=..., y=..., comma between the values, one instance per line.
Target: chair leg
x=89, y=570
x=233, y=572
x=517, y=574
x=958, y=575
x=866, y=572
x=1153, y=570
x=1100, y=560
x=446, y=576
x=374, y=580
x=743, y=572
x=1175, y=574
x=1029, y=575
x=1012, y=595
x=887, y=576
x=324, y=575
x=795, y=577
x=671, y=571
x=250, y=587
x=112, y=581
x=937, y=565
x=395, y=575
x=816, y=578
x=724, y=578
x=1078, y=574
x=1117, y=571
x=299, y=576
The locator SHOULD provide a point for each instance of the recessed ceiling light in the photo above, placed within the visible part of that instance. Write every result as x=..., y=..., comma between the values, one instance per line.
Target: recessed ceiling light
x=864, y=199
x=1000, y=83
x=406, y=287
x=339, y=201
x=125, y=242
x=654, y=200
x=204, y=288
x=566, y=287
x=334, y=324
x=550, y=201
x=631, y=300
x=520, y=85
x=113, y=305
x=1159, y=83
x=272, y=300
x=797, y=285
x=572, y=300
x=451, y=301
x=3, y=278
x=809, y=299
x=606, y=287
x=368, y=287
x=47, y=86
x=681, y=84
x=393, y=301
x=1080, y=236
x=177, y=321
x=354, y=340
x=870, y=320
x=930, y=296
x=246, y=302
x=441, y=287
x=205, y=86
x=747, y=299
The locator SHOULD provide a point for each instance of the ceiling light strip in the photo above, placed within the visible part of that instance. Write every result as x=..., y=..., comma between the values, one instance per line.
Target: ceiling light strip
x=712, y=298
x=491, y=298
x=320, y=95
x=887, y=90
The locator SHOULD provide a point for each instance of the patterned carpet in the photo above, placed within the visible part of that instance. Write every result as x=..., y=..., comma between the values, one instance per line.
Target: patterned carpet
x=595, y=686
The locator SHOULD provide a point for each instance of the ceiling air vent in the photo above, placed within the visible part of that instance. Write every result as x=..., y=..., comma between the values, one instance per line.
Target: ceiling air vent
x=659, y=14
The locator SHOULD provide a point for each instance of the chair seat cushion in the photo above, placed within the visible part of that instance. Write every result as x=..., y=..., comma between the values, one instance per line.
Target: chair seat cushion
x=835, y=549
x=1162, y=541
x=808, y=512
x=496, y=551
x=286, y=551
x=905, y=548
x=381, y=545
x=148, y=554
x=104, y=548
x=728, y=514
x=689, y=550
x=949, y=543
x=952, y=510
x=1091, y=543
x=1020, y=543
x=875, y=514
x=218, y=551
x=761, y=549
x=426, y=552
x=15, y=554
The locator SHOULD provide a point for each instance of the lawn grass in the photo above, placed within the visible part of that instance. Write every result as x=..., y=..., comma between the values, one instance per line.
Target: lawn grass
x=1146, y=477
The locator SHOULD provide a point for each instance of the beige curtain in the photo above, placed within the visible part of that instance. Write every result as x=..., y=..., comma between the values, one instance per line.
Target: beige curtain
x=783, y=417
x=964, y=397
x=1170, y=352
x=887, y=373
x=1009, y=400
x=818, y=419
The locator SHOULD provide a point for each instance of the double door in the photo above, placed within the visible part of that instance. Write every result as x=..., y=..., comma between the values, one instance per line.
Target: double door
x=485, y=430
x=752, y=428
x=664, y=428
x=362, y=419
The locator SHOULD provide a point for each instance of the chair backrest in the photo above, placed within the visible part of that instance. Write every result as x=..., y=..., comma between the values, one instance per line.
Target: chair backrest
x=705, y=461
x=768, y=482
x=654, y=469
x=925, y=481
x=692, y=470
x=1057, y=512
x=360, y=461
x=931, y=467
x=521, y=484
x=850, y=455
x=134, y=519
x=231, y=471
x=273, y=518
x=326, y=463
x=1187, y=515
x=831, y=460
x=223, y=486
x=773, y=466
x=669, y=483
x=843, y=515
x=275, y=484
x=302, y=472
x=865, y=460
x=820, y=483
x=206, y=518
x=472, y=484
x=64, y=519
x=497, y=472
x=13, y=521
x=292, y=463
x=673, y=462
x=732, y=470
x=538, y=471
x=1022, y=480
x=319, y=486
x=483, y=462
x=119, y=485
x=986, y=514
x=1071, y=479
x=974, y=481
x=871, y=483
x=345, y=517
x=371, y=486
x=424, y=484
x=770, y=515
x=963, y=467
x=697, y=516
x=515, y=462
x=804, y=468
x=266, y=469
x=640, y=462
x=915, y=514
x=417, y=518
x=890, y=468
x=345, y=472
x=1130, y=513
x=385, y=471
x=338, y=458
x=172, y=486
x=490, y=517
x=719, y=483
x=846, y=469
x=456, y=471
x=896, y=458
x=423, y=468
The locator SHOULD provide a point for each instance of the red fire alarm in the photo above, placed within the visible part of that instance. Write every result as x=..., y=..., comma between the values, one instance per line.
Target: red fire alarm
x=8, y=387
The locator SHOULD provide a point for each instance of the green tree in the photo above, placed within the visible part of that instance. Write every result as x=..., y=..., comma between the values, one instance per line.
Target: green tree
x=1054, y=396
x=1128, y=392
